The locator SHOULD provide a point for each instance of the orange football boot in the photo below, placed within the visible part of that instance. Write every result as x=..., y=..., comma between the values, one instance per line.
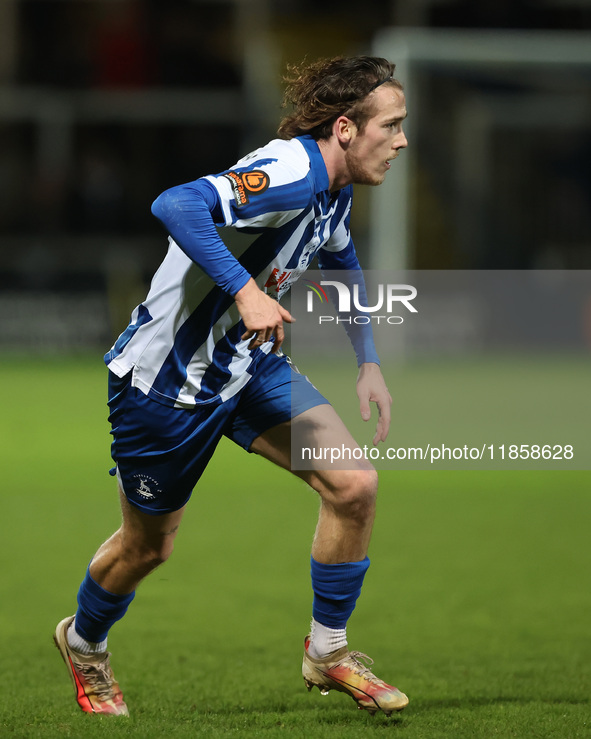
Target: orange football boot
x=95, y=686
x=348, y=672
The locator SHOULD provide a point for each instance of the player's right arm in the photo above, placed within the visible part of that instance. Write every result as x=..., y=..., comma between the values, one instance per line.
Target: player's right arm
x=262, y=316
x=188, y=212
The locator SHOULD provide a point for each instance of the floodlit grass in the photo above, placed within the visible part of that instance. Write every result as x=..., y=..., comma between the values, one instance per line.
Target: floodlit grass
x=477, y=602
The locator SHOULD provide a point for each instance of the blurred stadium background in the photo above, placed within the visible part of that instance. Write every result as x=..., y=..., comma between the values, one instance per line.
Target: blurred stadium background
x=105, y=103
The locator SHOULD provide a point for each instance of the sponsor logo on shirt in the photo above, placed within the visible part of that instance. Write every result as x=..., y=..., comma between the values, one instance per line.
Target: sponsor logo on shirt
x=276, y=278
x=247, y=183
x=256, y=181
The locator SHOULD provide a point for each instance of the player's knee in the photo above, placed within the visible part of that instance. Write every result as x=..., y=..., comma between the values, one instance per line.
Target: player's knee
x=357, y=495
x=156, y=556
x=147, y=556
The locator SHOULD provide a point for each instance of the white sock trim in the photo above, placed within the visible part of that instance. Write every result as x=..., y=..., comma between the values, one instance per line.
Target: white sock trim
x=324, y=640
x=81, y=645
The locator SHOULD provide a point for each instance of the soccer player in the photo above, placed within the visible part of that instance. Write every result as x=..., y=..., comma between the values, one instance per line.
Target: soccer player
x=201, y=359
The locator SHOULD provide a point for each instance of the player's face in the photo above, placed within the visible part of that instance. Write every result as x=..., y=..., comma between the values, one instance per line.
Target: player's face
x=372, y=149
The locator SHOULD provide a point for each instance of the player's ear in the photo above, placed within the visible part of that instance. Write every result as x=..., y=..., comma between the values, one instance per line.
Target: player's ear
x=344, y=129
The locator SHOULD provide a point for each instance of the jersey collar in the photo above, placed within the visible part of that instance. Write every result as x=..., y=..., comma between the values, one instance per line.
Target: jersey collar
x=317, y=165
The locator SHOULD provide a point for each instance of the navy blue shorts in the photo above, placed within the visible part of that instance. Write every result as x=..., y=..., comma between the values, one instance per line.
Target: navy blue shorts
x=161, y=451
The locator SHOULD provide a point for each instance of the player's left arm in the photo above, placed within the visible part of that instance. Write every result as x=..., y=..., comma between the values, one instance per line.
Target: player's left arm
x=371, y=386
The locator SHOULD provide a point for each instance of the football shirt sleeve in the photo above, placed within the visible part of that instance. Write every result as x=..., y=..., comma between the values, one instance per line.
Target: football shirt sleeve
x=263, y=192
x=350, y=273
x=189, y=213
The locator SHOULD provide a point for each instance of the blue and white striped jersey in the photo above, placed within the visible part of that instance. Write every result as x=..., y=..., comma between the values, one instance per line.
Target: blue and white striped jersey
x=183, y=343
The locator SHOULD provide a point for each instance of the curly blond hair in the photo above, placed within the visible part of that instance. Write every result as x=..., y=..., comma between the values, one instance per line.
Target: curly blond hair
x=323, y=90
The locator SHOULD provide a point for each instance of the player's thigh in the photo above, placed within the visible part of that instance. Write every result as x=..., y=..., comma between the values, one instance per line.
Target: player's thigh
x=320, y=430
x=141, y=530
x=161, y=451
x=276, y=393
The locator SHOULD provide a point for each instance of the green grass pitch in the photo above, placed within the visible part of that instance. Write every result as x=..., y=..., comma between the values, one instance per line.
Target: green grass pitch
x=477, y=602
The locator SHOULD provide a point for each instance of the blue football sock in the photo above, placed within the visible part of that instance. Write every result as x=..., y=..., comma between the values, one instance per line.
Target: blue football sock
x=336, y=589
x=98, y=609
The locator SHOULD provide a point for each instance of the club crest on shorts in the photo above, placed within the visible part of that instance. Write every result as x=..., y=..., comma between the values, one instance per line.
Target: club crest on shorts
x=147, y=487
x=247, y=183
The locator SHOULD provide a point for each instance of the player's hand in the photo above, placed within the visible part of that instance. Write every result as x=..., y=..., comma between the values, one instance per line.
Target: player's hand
x=371, y=388
x=262, y=316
